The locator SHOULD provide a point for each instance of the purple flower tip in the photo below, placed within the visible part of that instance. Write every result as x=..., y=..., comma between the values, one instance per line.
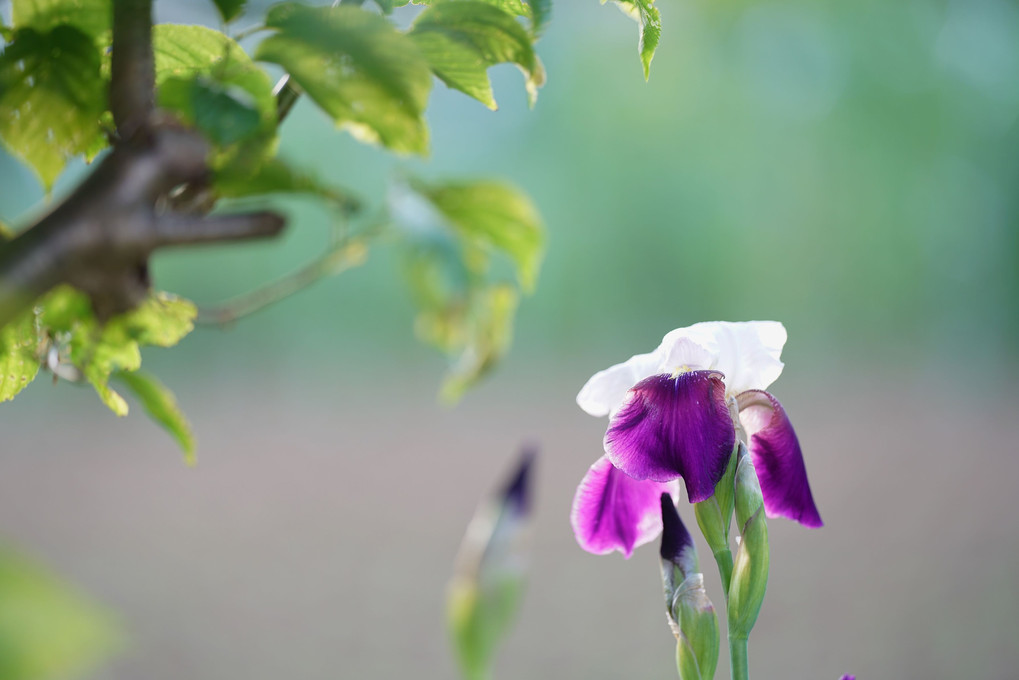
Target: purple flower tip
x=674, y=427
x=517, y=492
x=675, y=537
x=848, y=677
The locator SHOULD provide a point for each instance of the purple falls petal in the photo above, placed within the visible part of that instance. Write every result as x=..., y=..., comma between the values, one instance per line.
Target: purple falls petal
x=612, y=511
x=777, y=457
x=674, y=427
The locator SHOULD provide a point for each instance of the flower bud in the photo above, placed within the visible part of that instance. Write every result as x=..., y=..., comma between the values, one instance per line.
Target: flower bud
x=489, y=576
x=690, y=612
x=714, y=516
x=750, y=569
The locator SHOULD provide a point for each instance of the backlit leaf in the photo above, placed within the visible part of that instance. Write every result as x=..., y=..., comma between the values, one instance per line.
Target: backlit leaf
x=463, y=39
x=92, y=17
x=649, y=21
x=18, y=361
x=357, y=67
x=161, y=405
x=52, y=95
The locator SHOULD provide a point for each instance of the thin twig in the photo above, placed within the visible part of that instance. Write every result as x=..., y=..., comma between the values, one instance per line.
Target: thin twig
x=338, y=259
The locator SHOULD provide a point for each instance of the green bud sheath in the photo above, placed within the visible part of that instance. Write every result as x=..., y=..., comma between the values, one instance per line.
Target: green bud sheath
x=714, y=516
x=750, y=570
x=698, y=640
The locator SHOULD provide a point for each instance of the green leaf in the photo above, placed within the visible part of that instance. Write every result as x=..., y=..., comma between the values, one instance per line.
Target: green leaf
x=493, y=215
x=52, y=95
x=461, y=40
x=357, y=67
x=230, y=9
x=387, y=6
x=210, y=81
x=489, y=334
x=650, y=25
x=537, y=12
x=161, y=405
x=226, y=114
x=19, y=363
x=92, y=17
x=277, y=176
x=48, y=629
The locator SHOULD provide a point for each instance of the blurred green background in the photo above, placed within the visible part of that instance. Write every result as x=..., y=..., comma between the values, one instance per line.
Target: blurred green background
x=848, y=168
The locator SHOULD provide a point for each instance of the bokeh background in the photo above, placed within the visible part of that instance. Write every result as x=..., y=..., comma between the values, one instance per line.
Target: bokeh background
x=848, y=168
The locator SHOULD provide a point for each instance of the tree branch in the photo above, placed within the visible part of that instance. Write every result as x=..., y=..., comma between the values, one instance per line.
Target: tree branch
x=132, y=68
x=100, y=238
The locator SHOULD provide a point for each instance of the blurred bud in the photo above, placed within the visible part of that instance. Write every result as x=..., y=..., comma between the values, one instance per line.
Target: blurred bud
x=750, y=570
x=715, y=514
x=691, y=614
x=490, y=572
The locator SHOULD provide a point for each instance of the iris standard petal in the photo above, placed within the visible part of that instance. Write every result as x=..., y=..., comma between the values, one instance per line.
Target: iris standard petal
x=778, y=459
x=612, y=511
x=674, y=427
x=606, y=390
x=747, y=352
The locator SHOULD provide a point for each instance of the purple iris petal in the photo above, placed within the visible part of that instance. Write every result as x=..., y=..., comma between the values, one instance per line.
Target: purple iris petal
x=848, y=677
x=674, y=427
x=777, y=457
x=612, y=511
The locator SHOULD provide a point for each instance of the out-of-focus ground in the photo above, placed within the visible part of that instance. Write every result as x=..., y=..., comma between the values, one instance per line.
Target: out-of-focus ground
x=315, y=537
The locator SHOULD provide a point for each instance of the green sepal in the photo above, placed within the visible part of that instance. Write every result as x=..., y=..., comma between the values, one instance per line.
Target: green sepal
x=695, y=624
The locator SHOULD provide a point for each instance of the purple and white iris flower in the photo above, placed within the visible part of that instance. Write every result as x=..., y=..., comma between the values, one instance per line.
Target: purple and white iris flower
x=677, y=413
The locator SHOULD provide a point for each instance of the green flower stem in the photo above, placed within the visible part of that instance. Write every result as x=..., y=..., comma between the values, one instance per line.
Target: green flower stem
x=723, y=558
x=738, y=658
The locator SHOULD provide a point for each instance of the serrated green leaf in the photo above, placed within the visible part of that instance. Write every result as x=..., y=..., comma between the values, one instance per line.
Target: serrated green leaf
x=230, y=9
x=19, y=363
x=92, y=17
x=461, y=40
x=493, y=215
x=159, y=402
x=162, y=320
x=357, y=67
x=52, y=95
x=387, y=6
x=49, y=630
x=537, y=12
x=649, y=22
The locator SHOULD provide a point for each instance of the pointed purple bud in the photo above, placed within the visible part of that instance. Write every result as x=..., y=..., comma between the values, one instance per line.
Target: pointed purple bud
x=612, y=511
x=517, y=492
x=776, y=454
x=674, y=427
x=848, y=677
x=677, y=544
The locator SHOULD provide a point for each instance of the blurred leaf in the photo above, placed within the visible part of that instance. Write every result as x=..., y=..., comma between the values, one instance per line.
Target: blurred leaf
x=92, y=17
x=230, y=9
x=537, y=12
x=226, y=114
x=493, y=215
x=489, y=334
x=650, y=26
x=210, y=81
x=47, y=629
x=277, y=176
x=51, y=97
x=354, y=64
x=451, y=232
x=18, y=361
x=489, y=575
x=387, y=6
x=461, y=40
x=162, y=406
